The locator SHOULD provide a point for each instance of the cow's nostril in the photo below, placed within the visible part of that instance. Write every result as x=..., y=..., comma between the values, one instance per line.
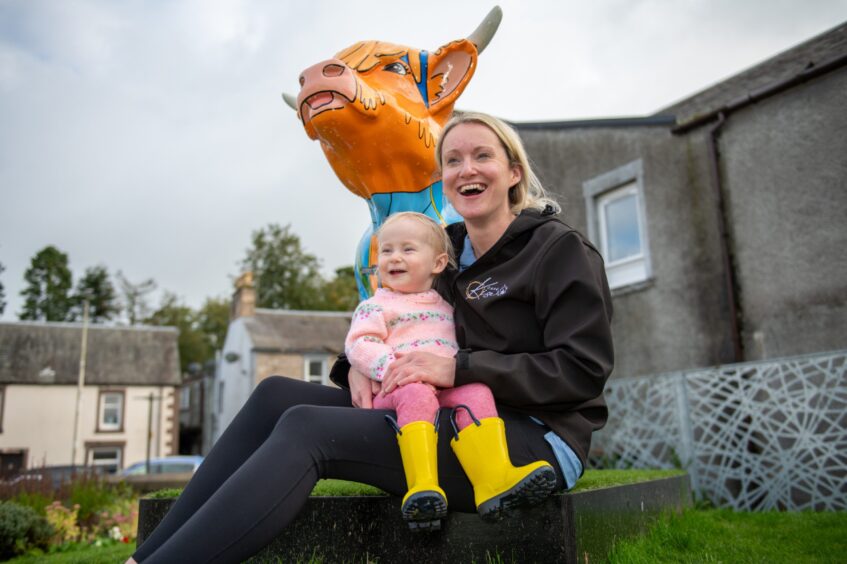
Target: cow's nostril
x=333, y=70
x=302, y=80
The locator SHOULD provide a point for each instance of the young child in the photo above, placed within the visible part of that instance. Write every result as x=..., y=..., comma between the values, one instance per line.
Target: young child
x=406, y=314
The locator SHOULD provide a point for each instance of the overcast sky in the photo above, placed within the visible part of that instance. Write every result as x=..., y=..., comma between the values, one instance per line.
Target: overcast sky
x=150, y=137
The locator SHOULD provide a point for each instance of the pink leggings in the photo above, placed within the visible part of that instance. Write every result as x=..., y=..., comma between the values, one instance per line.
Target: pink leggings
x=418, y=402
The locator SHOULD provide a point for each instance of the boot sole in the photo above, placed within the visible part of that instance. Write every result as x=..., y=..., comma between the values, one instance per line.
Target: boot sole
x=532, y=490
x=423, y=511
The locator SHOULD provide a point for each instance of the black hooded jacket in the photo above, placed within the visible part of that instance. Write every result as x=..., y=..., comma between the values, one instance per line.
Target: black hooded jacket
x=532, y=320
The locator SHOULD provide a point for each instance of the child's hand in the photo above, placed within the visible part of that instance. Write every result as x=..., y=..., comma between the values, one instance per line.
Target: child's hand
x=361, y=393
x=375, y=387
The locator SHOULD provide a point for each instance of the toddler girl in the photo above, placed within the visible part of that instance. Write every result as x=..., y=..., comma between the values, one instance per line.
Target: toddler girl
x=405, y=315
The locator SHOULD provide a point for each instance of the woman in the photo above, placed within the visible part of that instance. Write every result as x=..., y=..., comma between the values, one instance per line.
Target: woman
x=532, y=313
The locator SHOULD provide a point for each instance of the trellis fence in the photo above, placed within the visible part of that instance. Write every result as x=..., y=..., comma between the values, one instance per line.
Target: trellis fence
x=753, y=436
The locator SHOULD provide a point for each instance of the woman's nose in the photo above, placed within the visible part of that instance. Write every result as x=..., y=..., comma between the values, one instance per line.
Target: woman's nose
x=467, y=168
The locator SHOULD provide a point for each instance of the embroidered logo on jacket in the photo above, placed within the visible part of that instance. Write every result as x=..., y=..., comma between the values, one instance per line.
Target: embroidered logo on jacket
x=477, y=290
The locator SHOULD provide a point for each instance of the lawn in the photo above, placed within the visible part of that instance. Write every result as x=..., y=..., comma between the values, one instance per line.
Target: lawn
x=721, y=535
x=698, y=535
x=81, y=554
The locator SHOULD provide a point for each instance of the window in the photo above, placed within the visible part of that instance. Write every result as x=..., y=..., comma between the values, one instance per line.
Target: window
x=315, y=369
x=111, y=412
x=2, y=405
x=617, y=224
x=12, y=461
x=185, y=397
x=108, y=457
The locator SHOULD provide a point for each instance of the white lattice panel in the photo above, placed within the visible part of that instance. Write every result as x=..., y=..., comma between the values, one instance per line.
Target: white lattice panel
x=764, y=435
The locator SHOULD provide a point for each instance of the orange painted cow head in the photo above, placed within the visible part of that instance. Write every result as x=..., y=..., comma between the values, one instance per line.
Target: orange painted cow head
x=377, y=108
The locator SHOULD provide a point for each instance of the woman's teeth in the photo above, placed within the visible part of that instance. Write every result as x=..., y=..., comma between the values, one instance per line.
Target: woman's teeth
x=471, y=189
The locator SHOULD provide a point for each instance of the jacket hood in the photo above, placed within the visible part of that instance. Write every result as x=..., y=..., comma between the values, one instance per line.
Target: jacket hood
x=528, y=220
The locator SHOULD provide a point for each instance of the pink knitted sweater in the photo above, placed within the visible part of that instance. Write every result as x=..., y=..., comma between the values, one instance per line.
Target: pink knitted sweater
x=391, y=322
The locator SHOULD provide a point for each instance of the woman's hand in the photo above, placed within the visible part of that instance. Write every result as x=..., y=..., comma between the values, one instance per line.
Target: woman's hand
x=361, y=389
x=420, y=366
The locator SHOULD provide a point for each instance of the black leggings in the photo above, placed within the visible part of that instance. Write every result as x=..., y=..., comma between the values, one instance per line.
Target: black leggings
x=288, y=435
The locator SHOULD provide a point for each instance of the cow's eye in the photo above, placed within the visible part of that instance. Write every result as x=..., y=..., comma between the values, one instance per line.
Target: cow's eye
x=397, y=68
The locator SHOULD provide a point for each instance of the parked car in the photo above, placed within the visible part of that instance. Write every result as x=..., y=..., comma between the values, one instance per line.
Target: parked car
x=165, y=465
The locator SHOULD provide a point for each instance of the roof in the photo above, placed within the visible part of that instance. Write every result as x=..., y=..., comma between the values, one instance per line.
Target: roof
x=596, y=123
x=49, y=353
x=815, y=52
x=293, y=331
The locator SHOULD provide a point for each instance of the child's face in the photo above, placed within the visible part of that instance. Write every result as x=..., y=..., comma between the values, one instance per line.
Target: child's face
x=407, y=261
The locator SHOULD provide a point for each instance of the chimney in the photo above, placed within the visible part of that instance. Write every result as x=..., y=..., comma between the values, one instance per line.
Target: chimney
x=244, y=298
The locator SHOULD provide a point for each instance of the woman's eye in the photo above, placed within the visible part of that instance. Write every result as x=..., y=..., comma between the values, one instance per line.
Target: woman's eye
x=397, y=68
x=483, y=156
x=452, y=161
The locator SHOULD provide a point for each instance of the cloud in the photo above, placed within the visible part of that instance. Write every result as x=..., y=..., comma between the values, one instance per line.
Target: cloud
x=150, y=136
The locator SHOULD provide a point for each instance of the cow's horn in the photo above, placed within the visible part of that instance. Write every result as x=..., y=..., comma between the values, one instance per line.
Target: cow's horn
x=290, y=100
x=482, y=35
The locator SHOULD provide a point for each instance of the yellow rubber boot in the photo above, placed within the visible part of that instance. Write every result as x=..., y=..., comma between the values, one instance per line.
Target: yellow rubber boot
x=498, y=486
x=425, y=504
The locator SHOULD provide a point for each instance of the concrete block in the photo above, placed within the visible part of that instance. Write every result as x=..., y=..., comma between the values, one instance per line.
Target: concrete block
x=572, y=527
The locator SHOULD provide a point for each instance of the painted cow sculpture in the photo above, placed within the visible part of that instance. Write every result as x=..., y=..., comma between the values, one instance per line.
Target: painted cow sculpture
x=377, y=110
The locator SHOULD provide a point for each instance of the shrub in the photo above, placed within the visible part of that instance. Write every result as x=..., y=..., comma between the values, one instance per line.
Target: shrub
x=64, y=522
x=95, y=495
x=118, y=522
x=21, y=528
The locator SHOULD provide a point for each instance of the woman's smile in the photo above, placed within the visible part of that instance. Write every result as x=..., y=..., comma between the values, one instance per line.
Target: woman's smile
x=476, y=173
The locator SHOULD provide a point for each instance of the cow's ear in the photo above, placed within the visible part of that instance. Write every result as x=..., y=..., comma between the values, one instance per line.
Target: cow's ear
x=450, y=69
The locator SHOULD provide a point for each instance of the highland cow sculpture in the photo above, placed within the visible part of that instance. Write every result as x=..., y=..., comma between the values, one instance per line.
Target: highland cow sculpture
x=377, y=110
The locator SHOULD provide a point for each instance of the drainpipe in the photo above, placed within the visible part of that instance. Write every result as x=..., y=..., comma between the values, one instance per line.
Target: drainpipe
x=811, y=71
x=730, y=279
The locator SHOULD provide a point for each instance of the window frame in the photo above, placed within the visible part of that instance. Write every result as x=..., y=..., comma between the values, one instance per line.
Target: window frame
x=92, y=447
x=102, y=427
x=2, y=405
x=310, y=358
x=599, y=191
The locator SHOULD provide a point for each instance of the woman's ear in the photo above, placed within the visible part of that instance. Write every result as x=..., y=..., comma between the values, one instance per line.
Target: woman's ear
x=440, y=263
x=516, y=172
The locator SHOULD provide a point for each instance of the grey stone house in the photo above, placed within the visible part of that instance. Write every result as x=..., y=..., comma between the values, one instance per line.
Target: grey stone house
x=721, y=217
x=267, y=342
x=130, y=393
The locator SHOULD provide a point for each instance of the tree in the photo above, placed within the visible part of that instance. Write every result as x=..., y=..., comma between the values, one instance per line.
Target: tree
x=341, y=293
x=2, y=292
x=192, y=343
x=96, y=288
x=213, y=321
x=286, y=276
x=48, y=281
x=135, y=297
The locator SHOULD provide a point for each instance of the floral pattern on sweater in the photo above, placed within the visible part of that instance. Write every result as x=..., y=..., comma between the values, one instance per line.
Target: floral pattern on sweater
x=391, y=322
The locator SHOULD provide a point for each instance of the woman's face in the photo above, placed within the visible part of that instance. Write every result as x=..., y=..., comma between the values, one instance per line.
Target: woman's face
x=476, y=173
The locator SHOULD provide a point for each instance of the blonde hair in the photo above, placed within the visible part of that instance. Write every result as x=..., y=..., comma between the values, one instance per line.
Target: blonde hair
x=528, y=192
x=437, y=235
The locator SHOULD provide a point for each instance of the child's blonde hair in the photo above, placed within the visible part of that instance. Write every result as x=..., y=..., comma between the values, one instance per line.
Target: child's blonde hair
x=438, y=238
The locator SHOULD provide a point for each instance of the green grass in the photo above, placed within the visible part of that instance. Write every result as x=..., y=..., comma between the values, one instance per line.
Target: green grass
x=81, y=554
x=721, y=535
x=596, y=479
x=166, y=493
x=324, y=488
x=591, y=480
x=330, y=488
x=696, y=536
